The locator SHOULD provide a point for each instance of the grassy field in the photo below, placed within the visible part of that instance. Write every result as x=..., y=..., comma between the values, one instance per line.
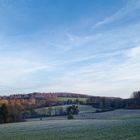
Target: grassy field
x=82, y=108
x=90, y=129
x=73, y=99
x=116, y=114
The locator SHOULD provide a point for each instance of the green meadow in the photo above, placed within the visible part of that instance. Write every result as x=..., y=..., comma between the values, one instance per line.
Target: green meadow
x=117, y=128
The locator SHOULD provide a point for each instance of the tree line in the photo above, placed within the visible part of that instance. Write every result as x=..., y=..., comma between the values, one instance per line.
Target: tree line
x=15, y=110
x=10, y=113
x=116, y=103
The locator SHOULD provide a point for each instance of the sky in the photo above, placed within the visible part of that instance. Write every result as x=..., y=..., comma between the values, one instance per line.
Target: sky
x=82, y=46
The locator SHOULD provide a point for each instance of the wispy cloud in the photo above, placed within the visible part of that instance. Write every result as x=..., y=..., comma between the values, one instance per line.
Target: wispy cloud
x=16, y=69
x=124, y=12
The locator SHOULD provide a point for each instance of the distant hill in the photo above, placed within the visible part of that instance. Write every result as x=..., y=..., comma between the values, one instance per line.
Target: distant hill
x=39, y=95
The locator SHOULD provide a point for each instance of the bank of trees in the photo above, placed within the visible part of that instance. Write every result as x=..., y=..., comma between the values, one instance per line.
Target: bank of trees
x=115, y=103
x=134, y=101
x=105, y=102
x=10, y=113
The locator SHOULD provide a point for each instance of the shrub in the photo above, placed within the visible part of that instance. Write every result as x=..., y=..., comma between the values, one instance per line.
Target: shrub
x=70, y=116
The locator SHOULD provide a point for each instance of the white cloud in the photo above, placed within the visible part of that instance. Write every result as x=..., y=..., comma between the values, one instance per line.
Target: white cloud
x=106, y=77
x=134, y=52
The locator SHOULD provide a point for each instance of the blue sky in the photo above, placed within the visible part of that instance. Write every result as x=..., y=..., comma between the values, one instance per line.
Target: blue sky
x=85, y=46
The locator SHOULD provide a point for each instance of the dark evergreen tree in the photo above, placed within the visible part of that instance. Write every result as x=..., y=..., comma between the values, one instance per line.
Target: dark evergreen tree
x=4, y=113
